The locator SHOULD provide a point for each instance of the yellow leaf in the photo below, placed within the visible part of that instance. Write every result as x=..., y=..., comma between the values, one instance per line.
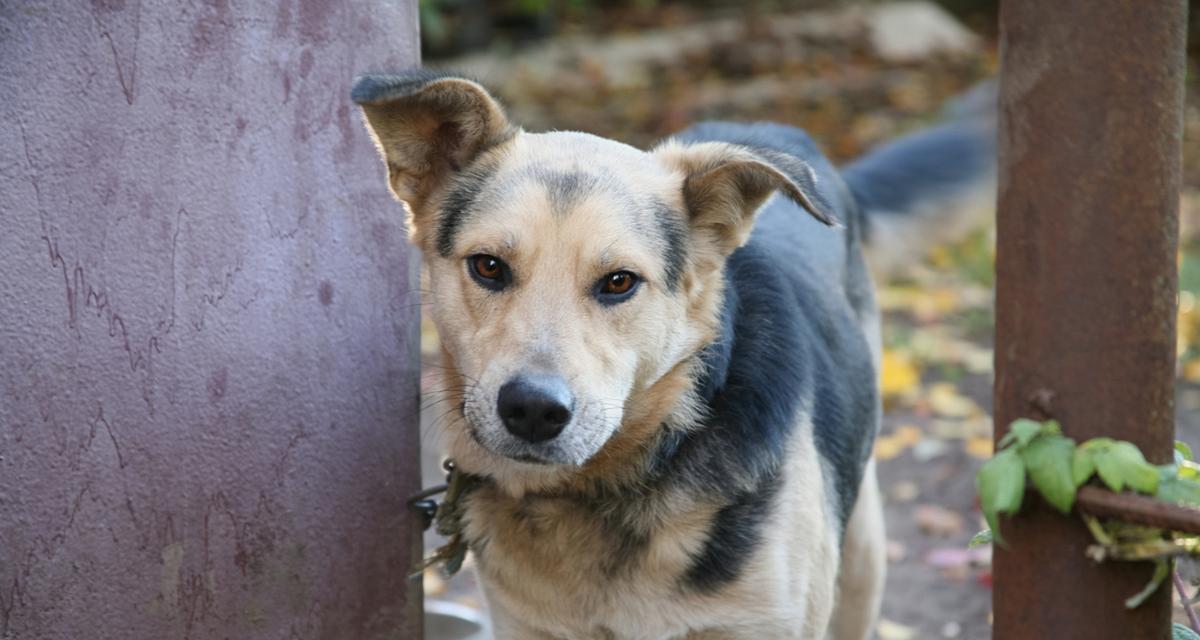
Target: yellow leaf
x=888, y=447
x=434, y=583
x=898, y=374
x=941, y=257
x=979, y=447
x=946, y=401
x=893, y=444
x=909, y=434
x=935, y=303
x=889, y=630
x=1191, y=370
x=1188, y=317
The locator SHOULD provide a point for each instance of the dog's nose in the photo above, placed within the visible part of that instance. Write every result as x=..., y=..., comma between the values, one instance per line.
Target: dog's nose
x=535, y=407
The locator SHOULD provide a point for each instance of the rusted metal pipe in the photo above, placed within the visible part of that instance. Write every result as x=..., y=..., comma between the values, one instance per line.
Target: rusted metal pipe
x=1136, y=509
x=1091, y=97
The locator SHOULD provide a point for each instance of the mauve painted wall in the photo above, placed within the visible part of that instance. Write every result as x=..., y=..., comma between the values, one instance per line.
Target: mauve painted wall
x=208, y=325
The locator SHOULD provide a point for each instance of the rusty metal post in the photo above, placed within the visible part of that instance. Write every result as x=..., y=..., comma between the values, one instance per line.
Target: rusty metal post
x=1091, y=99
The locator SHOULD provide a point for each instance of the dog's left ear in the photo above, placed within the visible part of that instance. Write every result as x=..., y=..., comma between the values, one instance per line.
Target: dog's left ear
x=429, y=126
x=724, y=185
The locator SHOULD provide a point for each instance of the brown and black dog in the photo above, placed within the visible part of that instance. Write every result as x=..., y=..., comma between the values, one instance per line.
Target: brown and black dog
x=664, y=362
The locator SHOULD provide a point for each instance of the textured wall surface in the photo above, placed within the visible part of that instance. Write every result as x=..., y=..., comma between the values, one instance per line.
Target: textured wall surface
x=208, y=378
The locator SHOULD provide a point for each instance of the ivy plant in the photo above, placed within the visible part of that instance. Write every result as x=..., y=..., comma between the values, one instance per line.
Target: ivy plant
x=1038, y=454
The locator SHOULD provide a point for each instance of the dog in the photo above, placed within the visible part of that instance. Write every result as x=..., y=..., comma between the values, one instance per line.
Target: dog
x=664, y=363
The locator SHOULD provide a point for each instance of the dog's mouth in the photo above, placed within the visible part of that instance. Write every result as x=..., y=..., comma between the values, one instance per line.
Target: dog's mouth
x=571, y=449
x=529, y=458
x=514, y=453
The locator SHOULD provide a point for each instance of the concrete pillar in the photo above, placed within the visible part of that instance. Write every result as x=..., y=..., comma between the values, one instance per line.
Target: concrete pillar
x=208, y=324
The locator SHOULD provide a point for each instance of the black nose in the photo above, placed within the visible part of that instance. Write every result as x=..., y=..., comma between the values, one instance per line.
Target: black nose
x=535, y=407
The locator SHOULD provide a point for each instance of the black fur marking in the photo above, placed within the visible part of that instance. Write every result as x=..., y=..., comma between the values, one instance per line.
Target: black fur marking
x=782, y=332
x=565, y=188
x=790, y=345
x=458, y=206
x=674, y=234
x=735, y=532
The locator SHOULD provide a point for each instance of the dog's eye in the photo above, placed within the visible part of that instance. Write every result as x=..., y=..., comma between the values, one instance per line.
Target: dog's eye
x=616, y=287
x=489, y=271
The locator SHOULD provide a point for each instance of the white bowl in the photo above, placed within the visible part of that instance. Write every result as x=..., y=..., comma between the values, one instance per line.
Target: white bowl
x=452, y=621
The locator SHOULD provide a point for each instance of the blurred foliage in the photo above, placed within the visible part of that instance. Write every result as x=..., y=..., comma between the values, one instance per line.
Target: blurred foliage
x=454, y=27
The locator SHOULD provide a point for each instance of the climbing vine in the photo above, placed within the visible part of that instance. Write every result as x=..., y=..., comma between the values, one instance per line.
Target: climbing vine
x=1038, y=454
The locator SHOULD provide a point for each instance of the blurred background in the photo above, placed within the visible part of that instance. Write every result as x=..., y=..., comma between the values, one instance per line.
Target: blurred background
x=853, y=74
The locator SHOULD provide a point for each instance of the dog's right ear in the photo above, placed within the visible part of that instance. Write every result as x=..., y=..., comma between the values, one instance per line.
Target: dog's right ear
x=428, y=126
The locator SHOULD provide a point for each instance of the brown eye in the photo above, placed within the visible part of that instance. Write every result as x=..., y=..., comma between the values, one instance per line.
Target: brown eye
x=616, y=287
x=489, y=271
x=617, y=283
x=487, y=267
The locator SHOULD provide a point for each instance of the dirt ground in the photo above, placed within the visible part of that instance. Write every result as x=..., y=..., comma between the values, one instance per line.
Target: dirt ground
x=853, y=77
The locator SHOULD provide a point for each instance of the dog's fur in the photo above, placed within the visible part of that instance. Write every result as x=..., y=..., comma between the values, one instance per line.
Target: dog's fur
x=715, y=479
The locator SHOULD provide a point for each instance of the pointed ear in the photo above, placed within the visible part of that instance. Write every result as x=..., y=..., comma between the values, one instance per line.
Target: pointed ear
x=429, y=127
x=725, y=184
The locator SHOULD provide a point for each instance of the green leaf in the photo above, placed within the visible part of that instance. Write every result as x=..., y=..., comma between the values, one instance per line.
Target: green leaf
x=981, y=538
x=1179, y=490
x=1184, y=450
x=1181, y=632
x=1048, y=459
x=1139, y=474
x=1161, y=569
x=1123, y=465
x=1001, y=483
x=1188, y=469
x=1083, y=465
x=1022, y=431
x=1096, y=445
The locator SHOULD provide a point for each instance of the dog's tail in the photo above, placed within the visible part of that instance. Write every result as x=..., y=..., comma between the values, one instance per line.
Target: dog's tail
x=930, y=187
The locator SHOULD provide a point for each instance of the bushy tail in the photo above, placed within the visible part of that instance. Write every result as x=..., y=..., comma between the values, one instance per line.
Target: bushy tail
x=930, y=187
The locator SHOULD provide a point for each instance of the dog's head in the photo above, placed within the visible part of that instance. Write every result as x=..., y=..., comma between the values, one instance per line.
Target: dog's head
x=572, y=278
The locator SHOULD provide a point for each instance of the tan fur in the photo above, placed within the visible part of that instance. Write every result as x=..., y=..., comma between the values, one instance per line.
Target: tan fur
x=864, y=563
x=543, y=554
x=549, y=550
x=426, y=137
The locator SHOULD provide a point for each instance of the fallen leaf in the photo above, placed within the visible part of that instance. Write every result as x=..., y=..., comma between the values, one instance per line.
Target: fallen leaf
x=1191, y=370
x=961, y=429
x=889, y=630
x=980, y=447
x=909, y=434
x=928, y=449
x=890, y=445
x=946, y=401
x=945, y=557
x=904, y=491
x=898, y=374
x=935, y=304
x=938, y=521
x=433, y=582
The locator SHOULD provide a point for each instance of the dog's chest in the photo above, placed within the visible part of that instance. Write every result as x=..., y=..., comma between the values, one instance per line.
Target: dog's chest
x=586, y=567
